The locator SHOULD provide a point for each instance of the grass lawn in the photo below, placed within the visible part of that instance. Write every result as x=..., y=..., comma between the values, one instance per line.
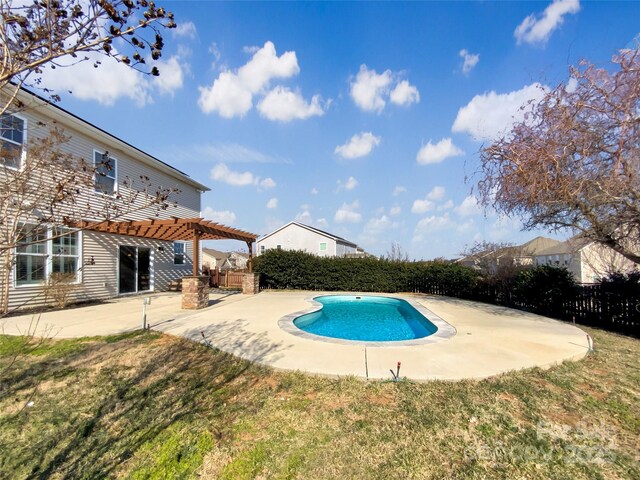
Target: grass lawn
x=148, y=405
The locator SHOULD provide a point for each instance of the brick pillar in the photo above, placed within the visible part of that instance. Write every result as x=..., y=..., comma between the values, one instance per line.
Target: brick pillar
x=195, y=292
x=250, y=283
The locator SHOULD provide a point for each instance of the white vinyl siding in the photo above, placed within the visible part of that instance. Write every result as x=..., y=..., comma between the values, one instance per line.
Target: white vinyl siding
x=295, y=237
x=97, y=253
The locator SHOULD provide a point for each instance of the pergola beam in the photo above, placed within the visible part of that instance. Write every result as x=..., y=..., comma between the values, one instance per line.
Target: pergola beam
x=195, y=229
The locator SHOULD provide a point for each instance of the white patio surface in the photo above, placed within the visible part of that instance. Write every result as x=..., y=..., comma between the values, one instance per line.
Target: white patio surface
x=490, y=340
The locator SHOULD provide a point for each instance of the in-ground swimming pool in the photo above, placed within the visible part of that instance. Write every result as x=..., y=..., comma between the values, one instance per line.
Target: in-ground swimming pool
x=366, y=318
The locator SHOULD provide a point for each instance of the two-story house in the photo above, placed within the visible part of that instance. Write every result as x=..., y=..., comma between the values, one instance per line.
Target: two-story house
x=140, y=250
x=297, y=236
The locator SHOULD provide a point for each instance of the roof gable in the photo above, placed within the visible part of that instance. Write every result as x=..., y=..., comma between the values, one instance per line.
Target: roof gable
x=312, y=229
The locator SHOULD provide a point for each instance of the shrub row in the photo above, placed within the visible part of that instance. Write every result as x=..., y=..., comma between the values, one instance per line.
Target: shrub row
x=299, y=270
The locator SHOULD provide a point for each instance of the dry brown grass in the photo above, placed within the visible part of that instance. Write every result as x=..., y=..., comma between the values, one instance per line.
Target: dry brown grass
x=155, y=406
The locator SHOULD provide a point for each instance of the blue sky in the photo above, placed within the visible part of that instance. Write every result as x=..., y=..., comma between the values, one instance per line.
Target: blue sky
x=363, y=119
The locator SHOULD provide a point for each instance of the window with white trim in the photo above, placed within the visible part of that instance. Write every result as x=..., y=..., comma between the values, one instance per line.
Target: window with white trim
x=31, y=256
x=11, y=140
x=65, y=251
x=262, y=249
x=323, y=246
x=42, y=251
x=105, y=177
x=178, y=253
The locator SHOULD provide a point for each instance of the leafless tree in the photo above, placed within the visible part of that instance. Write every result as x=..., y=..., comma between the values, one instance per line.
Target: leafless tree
x=490, y=258
x=396, y=253
x=574, y=161
x=36, y=34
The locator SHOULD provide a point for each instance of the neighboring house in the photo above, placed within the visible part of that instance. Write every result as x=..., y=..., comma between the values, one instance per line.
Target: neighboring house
x=296, y=236
x=104, y=264
x=224, y=260
x=518, y=255
x=588, y=261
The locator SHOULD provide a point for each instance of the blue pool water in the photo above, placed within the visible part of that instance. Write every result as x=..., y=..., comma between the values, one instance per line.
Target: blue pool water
x=366, y=318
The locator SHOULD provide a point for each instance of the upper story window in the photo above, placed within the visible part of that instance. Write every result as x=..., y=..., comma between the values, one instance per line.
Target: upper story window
x=323, y=246
x=178, y=253
x=262, y=249
x=11, y=140
x=105, y=179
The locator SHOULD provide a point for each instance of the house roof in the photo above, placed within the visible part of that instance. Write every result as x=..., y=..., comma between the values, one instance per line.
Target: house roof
x=571, y=245
x=35, y=101
x=315, y=230
x=528, y=249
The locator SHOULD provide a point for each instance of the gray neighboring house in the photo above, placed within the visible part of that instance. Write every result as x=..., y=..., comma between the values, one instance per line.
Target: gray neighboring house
x=297, y=236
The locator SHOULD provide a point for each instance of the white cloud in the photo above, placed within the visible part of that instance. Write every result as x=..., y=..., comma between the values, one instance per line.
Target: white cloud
x=360, y=145
x=422, y=206
x=468, y=207
x=267, y=183
x=538, y=28
x=436, y=153
x=470, y=60
x=572, y=84
x=314, y=191
x=433, y=223
x=395, y=211
x=379, y=225
x=222, y=173
x=350, y=184
x=446, y=206
x=306, y=217
x=225, y=217
x=436, y=193
x=231, y=94
x=224, y=152
x=369, y=88
x=348, y=213
x=404, y=94
x=284, y=105
x=227, y=96
x=171, y=75
x=398, y=190
x=113, y=80
x=322, y=223
x=272, y=203
x=185, y=29
x=490, y=115
x=106, y=84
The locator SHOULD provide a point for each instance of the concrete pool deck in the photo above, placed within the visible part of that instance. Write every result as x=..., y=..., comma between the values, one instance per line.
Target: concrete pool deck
x=490, y=340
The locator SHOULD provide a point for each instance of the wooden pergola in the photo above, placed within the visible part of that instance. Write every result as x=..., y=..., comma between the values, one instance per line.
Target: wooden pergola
x=194, y=229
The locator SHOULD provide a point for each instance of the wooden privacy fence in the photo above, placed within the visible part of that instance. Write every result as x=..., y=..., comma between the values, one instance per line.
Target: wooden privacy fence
x=230, y=278
x=611, y=307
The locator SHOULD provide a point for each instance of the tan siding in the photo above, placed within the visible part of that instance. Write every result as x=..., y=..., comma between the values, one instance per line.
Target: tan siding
x=99, y=278
x=99, y=281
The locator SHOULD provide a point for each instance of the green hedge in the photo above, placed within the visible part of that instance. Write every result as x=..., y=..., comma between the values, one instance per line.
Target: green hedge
x=299, y=270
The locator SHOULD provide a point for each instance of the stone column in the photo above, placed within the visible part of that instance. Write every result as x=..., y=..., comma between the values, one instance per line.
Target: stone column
x=250, y=283
x=195, y=292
